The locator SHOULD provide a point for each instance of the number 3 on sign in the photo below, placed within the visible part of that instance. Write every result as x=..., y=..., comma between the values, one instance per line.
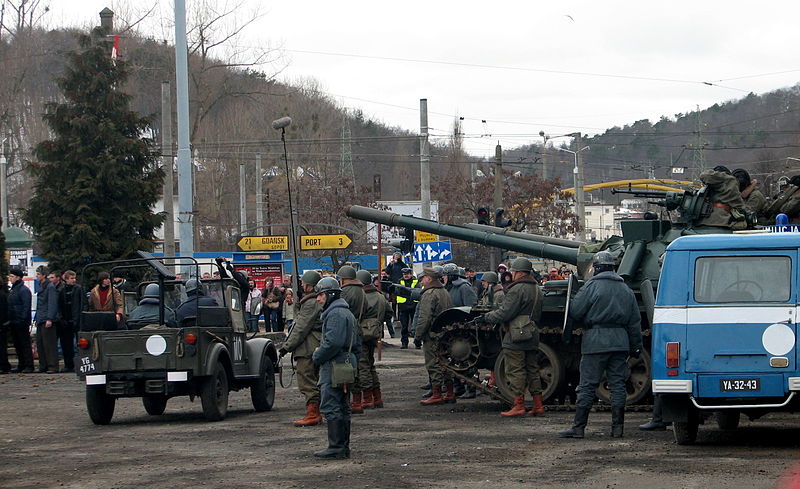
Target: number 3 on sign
x=341, y=241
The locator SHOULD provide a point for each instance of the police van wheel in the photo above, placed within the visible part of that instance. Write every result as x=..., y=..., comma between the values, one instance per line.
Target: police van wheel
x=728, y=419
x=686, y=431
x=99, y=404
x=262, y=391
x=214, y=394
x=155, y=404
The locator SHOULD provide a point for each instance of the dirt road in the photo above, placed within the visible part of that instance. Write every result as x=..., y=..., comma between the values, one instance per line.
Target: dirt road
x=47, y=440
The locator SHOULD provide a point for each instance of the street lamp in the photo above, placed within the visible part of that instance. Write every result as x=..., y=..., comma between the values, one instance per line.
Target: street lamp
x=281, y=125
x=577, y=176
x=545, y=137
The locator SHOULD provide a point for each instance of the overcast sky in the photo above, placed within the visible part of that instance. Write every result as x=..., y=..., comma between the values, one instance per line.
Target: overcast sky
x=524, y=67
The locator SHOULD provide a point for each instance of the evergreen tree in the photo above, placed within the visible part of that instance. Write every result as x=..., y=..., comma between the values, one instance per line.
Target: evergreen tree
x=97, y=180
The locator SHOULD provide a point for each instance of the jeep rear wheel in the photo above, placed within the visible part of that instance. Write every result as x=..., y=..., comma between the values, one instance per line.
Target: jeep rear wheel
x=155, y=404
x=99, y=404
x=686, y=431
x=263, y=389
x=214, y=394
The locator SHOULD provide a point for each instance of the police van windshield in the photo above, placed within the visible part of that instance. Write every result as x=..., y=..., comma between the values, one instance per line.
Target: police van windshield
x=724, y=279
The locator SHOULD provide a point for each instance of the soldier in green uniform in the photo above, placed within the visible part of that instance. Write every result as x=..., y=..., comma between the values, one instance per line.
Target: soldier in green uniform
x=377, y=310
x=353, y=294
x=754, y=200
x=492, y=293
x=786, y=202
x=727, y=205
x=520, y=314
x=433, y=301
x=303, y=339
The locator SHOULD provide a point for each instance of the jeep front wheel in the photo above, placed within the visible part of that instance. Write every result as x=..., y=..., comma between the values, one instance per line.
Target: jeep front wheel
x=214, y=394
x=99, y=404
x=263, y=389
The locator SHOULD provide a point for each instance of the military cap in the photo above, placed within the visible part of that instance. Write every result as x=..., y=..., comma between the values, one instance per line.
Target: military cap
x=521, y=265
x=17, y=272
x=347, y=272
x=490, y=277
x=311, y=277
x=430, y=272
x=364, y=276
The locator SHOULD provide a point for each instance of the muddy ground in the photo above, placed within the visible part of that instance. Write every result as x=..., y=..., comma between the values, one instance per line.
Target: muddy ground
x=47, y=440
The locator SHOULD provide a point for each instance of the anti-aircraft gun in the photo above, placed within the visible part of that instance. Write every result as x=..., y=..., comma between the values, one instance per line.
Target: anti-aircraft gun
x=465, y=346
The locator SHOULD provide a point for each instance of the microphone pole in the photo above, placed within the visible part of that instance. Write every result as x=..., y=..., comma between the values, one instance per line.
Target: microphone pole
x=281, y=124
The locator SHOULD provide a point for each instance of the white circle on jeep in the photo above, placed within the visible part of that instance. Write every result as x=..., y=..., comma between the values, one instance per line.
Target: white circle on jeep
x=778, y=339
x=156, y=345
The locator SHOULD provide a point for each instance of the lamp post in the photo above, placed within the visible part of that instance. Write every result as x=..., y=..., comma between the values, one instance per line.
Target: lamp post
x=281, y=125
x=545, y=137
x=577, y=175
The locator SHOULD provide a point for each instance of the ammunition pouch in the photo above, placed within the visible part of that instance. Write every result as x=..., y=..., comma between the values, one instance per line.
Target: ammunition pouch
x=370, y=329
x=521, y=328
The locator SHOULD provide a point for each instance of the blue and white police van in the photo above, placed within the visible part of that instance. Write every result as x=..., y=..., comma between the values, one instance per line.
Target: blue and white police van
x=724, y=336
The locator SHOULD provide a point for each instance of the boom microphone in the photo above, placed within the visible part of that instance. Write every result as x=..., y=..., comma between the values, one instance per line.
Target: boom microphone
x=281, y=123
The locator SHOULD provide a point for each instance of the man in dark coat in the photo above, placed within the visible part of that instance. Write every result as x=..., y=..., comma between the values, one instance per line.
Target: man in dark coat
x=19, y=320
x=395, y=268
x=148, y=310
x=607, y=311
x=5, y=367
x=71, y=301
x=341, y=342
x=47, y=318
x=195, y=299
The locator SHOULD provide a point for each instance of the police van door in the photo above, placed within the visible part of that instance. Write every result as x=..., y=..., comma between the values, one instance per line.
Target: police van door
x=741, y=317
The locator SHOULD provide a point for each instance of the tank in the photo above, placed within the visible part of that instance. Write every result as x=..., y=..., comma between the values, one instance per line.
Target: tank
x=465, y=347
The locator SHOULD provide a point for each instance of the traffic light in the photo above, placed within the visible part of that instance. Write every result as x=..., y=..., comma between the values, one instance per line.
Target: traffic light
x=499, y=220
x=405, y=242
x=483, y=216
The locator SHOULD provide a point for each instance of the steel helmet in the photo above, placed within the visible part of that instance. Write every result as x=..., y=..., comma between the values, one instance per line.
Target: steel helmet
x=450, y=269
x=521, y=265
x=490, y=277
x=439, y=269
x=327, y=284
x=603, y=258
x=364, y=276
x=347, y=272
x=151, y=291
x=193, y=286
x=311, y=278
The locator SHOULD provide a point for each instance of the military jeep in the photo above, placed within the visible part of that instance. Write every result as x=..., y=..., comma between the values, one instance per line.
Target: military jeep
x=207, y=355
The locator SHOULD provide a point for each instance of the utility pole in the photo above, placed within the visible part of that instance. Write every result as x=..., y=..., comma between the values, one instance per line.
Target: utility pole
x=185, y=192
x=259, y=197
x=167, y=161
x=545, y=137
x=494, y=257
x=579, y=197
x=699, y=158
x=424, y=162
x=3, y=187
x=242, y=198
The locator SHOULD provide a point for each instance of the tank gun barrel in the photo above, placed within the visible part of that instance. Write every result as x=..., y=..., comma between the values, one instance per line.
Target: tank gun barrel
x=530, y=237
x=534, y=248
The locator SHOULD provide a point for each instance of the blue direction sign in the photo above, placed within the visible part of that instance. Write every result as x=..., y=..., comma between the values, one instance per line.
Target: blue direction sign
x=433, y=251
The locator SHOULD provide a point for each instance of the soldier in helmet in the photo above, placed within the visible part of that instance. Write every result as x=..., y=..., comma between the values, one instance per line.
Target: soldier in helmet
x=353, y=294
x=607, y=311
x=492, y=292
x=377, y=310
x=461, y=293
x=303, y=339
x=147, y=310
x=195, y=298
x=433, y=301
x=340, y=343
x=519, y=316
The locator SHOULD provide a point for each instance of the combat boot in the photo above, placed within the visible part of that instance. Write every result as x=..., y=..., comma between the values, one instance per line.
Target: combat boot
x=377, y=400
x=460, y=390
x=470, y=394
x=518, y=409
x=313, y=416
x=367, y=403
x=538, y=406
x=427, y=386
x=346, y=438
x=450, y=396
x=578, y=425
x=436, y=397
x=355, y=406
x=617, y=421
x=336, y=440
